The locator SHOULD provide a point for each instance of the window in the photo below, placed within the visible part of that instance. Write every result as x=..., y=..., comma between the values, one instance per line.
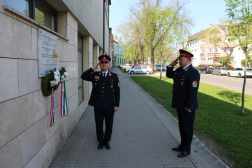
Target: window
x=202, y=50
x=38, y=10
x=213, y=50
x=21, y=6
x=210, y=59
x=202, y=60
x=228, y=50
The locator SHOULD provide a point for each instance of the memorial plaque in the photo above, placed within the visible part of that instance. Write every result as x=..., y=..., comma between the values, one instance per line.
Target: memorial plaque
x=48, y=48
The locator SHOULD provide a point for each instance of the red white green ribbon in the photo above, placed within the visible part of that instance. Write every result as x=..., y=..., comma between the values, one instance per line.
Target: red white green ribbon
x=52, y=109
x=63, y=104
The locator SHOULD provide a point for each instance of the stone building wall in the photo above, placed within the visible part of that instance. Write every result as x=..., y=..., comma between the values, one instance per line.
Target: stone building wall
x=26, y=139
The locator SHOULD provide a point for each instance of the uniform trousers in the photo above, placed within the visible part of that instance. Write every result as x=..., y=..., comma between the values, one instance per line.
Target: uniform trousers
x=186, y=120
x=100, y=115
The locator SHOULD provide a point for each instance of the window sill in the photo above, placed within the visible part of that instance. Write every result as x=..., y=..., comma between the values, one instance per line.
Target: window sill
x=10, y=9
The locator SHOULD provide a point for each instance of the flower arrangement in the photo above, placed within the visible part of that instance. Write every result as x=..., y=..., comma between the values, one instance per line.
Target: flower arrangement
x=50, y=80
x=54, y=77
x=63, y=74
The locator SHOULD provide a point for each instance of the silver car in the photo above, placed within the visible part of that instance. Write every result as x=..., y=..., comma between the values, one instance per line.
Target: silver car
x=220, y=71
x=140, y=69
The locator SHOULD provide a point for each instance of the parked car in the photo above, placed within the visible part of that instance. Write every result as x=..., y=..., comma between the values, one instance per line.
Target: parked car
x=158, y=67
x=220, y=71
x=126, y=66
x=205, y=69
x=139, y=69
x=239, y=72
x=136, y=65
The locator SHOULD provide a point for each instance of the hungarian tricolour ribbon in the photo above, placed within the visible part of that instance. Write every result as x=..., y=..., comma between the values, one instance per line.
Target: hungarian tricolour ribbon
x=52, y=109
x=63, y=104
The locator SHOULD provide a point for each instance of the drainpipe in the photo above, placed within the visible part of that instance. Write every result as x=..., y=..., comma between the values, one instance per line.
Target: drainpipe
x=109, y=31
x=104, y=7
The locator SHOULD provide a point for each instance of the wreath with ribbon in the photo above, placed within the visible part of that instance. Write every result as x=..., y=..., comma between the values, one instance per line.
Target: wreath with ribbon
x=50, y=80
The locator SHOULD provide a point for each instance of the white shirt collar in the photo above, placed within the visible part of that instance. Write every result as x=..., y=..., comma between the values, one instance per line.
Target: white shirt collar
x=105, y=72
x=187, y=66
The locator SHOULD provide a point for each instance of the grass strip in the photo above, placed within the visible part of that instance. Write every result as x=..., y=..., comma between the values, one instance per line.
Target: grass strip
x=218, y=116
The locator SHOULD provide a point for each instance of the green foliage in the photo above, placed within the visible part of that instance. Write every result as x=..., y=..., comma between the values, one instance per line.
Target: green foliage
x=39, y=16
x=244, y=61
x=218, y=116
x=223, y=59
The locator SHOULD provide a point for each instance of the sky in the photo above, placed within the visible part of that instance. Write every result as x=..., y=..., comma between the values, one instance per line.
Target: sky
x=202, y=12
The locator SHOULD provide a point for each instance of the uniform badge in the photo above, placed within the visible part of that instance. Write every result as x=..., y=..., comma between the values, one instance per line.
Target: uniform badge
x=182, y=82
x=109, y=74
x=99, y=73
x=118, y=84
x=111, y=86
x=195, y=84
x=97, y=77
x=112, y=80
x=186, y=69
x=104, y=57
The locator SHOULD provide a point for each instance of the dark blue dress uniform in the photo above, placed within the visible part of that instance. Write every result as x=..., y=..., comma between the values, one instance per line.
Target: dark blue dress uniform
x=104, y=97
x=185, y=88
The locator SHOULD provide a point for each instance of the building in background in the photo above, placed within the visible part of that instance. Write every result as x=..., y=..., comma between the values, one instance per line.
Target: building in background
x=207, y=54
x=118, y=51
x=26, y=139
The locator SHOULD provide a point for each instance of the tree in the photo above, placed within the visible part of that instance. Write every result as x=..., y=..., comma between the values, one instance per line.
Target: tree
x=240, y=29
x=152, y=24
x=243, y=62
x=223, y=60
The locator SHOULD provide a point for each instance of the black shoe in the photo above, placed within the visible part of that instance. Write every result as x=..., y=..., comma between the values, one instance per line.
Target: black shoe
x=177, y=149
x=100, y=145
x=184, y=154
x=107, y=145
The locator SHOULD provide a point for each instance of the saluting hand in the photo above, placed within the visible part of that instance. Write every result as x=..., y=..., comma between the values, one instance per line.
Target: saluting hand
x=174, y=62
x=115, y=109
x=96, y=66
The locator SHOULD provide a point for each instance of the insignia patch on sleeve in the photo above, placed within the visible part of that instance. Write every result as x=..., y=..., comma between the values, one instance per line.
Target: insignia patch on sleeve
x=195, y=84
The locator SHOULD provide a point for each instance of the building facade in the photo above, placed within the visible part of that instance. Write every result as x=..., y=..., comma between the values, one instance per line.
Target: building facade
x=118, y=51
x=206, y=53
x=26, y=139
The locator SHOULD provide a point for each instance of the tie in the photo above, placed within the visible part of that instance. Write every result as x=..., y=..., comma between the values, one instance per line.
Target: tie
x=104, y=75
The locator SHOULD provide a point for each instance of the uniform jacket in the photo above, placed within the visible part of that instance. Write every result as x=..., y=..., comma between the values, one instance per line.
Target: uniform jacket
x=106, y=90
x=185, y=87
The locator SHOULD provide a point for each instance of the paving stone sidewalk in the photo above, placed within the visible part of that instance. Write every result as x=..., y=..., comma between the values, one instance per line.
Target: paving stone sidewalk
x=143, y=135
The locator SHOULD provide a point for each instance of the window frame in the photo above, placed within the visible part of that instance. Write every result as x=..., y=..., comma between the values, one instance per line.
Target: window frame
x=47, y=7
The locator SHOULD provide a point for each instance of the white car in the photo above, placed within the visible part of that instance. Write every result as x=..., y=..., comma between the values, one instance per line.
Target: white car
x=239, y=72
x=140, y=69
x=126, y=66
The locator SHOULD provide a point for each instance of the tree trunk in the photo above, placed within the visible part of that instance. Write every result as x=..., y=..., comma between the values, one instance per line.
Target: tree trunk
x=142, y=54
x=152, y=57
x=147, y=55
x=244, y=84
x=161, y=64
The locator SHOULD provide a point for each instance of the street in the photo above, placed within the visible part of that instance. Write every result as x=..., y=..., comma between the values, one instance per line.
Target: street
x=232, y=83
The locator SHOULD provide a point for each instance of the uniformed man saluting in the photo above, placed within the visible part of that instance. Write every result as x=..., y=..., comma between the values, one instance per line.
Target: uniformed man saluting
x=105, y=98
x=185, y=87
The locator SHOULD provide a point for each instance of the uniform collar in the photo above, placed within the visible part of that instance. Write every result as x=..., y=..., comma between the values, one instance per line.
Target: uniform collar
x=187, y=66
